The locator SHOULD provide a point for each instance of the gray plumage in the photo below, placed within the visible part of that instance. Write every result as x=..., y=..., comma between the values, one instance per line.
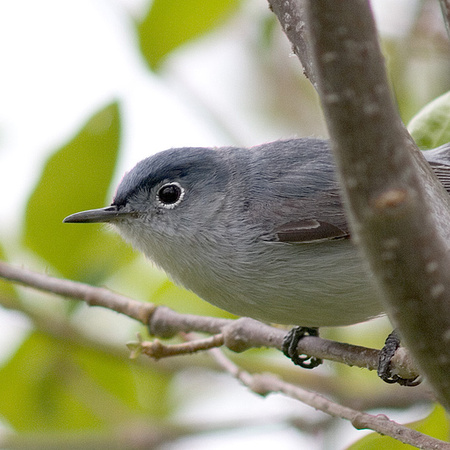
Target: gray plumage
x=259, y=232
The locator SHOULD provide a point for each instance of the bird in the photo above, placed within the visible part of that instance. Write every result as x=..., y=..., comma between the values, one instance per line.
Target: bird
x=259, y=232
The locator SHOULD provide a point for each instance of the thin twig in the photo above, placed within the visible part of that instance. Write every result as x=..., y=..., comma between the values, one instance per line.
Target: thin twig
x=266, y=384
x=157, y=350
x=291, y=15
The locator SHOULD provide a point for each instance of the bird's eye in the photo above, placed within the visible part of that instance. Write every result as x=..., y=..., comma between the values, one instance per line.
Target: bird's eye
x=170, y=194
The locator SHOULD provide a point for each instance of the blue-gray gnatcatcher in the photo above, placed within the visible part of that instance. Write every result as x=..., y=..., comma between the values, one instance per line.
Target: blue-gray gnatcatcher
x=259, y=232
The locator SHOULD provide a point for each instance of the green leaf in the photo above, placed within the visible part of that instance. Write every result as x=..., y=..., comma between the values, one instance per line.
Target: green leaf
x=75, y=178
x=33, y=390
x=430, y=127
x=171, y=23
x=436, y=425
x=139, y=389
x=54, y=385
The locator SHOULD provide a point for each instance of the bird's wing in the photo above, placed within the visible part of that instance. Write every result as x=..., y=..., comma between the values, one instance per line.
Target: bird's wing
x=439, y=160
x=294, y=194
x=442, y=171
x=306, y=205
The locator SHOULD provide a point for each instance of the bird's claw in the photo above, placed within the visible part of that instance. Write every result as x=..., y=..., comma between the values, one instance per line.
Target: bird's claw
x=290, y=344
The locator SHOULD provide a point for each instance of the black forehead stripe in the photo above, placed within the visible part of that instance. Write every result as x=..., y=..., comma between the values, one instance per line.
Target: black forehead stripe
x=168, y=165
x=130, y=187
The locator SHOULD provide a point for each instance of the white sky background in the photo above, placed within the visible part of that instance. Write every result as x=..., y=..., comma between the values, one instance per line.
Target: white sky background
x=63, y=60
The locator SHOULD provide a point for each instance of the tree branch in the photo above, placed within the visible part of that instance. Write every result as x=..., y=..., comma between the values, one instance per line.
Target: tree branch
x=399, y=212
x=266, y=384
x=238, y=335
x=61, y=328
x=445, y=7
x=92, y=296
x=157, y=350
x=291, y=15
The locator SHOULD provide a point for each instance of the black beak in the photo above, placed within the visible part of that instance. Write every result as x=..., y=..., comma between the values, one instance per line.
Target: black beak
x=108, y=214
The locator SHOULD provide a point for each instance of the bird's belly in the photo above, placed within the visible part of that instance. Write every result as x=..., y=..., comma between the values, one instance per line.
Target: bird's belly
x=307, y=285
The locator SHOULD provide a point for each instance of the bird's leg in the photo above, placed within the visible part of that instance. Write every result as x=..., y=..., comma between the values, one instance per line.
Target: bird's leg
x=391, y=345
x=290, y=343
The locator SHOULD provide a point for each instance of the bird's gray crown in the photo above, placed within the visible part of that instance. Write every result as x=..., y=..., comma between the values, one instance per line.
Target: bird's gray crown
x=174, y=164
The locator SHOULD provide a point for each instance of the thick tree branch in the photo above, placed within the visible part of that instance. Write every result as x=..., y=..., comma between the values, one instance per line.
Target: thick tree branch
x=238, y=335
x=398, y=211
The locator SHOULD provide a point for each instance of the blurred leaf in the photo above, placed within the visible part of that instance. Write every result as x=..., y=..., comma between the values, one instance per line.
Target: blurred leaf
x=269, y=30
x=436, y=425
x=54, y=385
x=184, y=301
x=430, y=127
x=171, y=23
x=75, y=178
x=33, y=393
x=139, y=388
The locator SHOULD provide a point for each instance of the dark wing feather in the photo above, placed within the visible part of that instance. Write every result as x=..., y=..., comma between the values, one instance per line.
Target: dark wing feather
x=439, y=160
x=309, y=230
x=443, y=174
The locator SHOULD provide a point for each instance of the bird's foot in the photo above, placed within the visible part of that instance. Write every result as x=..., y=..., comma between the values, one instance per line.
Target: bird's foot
x=290, y=343
x=391, y=345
